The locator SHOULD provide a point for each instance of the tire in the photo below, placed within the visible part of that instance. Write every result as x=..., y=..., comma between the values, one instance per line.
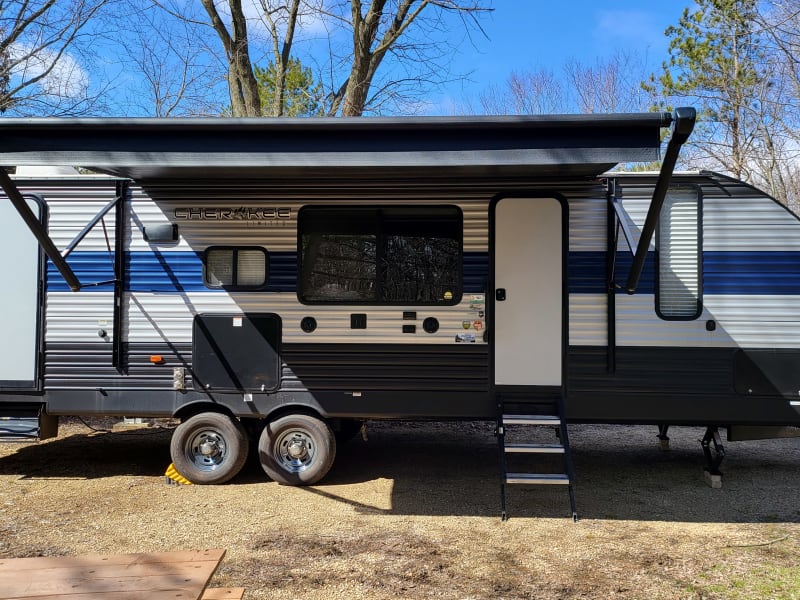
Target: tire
x=209, y=448
x=297, y=449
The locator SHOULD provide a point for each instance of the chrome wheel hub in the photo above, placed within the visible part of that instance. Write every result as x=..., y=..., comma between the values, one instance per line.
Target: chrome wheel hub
x=295, y=450
x=206, y=449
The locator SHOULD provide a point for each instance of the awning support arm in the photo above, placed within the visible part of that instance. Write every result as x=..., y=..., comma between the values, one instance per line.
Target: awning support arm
x=622, y=221
x=89, y=226
x=38, y=231
x=682, y=125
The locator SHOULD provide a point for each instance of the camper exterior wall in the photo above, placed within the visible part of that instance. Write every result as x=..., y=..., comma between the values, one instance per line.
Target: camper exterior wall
x=675, y=371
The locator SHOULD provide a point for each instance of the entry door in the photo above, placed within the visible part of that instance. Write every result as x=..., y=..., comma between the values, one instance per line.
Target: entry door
x=529, y=292
x=19, y=299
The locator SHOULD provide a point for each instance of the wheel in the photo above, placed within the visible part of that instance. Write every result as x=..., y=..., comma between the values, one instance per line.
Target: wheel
x=297, y=449
x=209, y=448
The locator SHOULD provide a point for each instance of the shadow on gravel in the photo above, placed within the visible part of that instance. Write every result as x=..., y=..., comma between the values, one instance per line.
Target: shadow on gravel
x=452, y=470
x=621, y=473
x=91, y=455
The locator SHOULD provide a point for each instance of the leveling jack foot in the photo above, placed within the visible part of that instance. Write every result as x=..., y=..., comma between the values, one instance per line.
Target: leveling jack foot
x=714, y=454
x=713, y=480
x=663, y=438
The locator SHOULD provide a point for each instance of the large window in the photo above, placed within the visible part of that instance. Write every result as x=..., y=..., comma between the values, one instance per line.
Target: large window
x=235, y=268
x=679, y=291
x=387, y=255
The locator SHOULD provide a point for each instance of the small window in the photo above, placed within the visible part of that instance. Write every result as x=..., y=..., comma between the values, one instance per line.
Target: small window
x=679, y=289
x=389, y=255
x=235, y=268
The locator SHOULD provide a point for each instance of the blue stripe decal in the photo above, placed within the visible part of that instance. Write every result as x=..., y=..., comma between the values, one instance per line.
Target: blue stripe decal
x=89, y=267
x=768, y=273
x=476, y=272
x=587, y=273
x=740, y=273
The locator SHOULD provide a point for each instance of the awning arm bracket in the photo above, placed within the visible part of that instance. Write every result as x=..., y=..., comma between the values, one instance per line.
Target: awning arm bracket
x=38, y=231
x=682, y=126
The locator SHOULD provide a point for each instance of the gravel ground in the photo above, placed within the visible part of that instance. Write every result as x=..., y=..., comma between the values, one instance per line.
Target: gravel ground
x=414, y=513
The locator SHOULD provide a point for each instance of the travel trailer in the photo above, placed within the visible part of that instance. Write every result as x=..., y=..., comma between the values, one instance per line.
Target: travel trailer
x=277, y=281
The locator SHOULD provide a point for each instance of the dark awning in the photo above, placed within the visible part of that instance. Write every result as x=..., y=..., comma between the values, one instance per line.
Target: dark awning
x=152, y=149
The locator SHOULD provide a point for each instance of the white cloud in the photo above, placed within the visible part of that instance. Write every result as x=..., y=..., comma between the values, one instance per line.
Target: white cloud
x=67, y=79
x=310, y=23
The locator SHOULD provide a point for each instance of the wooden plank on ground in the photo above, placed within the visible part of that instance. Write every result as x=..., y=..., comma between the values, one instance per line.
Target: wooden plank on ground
x=42, y=562
x=183, y=575
x=223, y=594
x=147, y=595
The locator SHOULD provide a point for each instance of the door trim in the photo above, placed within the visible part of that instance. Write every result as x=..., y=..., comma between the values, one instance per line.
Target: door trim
x=532, y=390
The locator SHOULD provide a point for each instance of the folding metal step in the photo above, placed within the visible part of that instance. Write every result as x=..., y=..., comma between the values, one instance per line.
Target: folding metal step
x=531, y=420
x=507, y=420
x=535, y=448
x=538, y=478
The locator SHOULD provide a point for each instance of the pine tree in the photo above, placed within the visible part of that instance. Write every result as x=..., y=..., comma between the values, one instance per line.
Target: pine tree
x=303, y=94
x=716, y=63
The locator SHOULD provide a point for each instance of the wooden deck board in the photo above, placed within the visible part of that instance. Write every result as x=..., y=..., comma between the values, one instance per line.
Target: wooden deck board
x=223, y=594
x=182, y=575
x=42, y=562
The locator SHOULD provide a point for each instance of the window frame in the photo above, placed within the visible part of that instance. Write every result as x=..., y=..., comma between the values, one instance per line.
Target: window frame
x=381, y=234
x=236, y=287
x=697, y=190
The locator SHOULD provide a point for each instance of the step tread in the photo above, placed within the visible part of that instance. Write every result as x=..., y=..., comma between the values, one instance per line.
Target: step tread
x=536, y=448
x=538, y=478
x=531, y=420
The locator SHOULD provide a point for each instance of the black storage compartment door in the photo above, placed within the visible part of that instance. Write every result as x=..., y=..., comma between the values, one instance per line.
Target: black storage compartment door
x=765, y=372
x=237, y=352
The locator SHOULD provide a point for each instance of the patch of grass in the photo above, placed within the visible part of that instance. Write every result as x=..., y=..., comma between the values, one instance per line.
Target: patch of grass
x=775, y=582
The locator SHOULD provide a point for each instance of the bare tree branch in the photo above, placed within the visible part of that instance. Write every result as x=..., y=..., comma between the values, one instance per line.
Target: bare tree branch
x=41, y=43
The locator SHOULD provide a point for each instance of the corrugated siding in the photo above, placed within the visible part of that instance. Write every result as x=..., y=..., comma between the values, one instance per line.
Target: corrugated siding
x=159, y=317
x=152, y=314
x=389, y=368
x=278, y=235
x=72, y=203
x=751, y=271
x=79, y=316
x=750, y=242
x=81, y=365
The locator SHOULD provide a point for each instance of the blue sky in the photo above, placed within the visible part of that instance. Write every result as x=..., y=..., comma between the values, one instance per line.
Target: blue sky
x=528, y=34
x=521, y=36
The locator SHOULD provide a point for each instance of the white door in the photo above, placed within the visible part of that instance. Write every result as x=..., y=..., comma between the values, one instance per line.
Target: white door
x=19, y=299
x=529, y=295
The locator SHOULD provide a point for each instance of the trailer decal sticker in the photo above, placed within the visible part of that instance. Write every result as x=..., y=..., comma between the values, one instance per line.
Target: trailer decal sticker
x=243, y=213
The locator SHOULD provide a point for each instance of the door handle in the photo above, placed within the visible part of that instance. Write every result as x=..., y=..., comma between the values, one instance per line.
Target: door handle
x=500, y=294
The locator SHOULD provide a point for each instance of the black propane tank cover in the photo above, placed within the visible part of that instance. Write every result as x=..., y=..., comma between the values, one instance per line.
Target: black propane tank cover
x=430, y=325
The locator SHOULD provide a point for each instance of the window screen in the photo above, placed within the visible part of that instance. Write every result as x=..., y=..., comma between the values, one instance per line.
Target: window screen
x=679, y=293
x=235, y=268
x=388, y=255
